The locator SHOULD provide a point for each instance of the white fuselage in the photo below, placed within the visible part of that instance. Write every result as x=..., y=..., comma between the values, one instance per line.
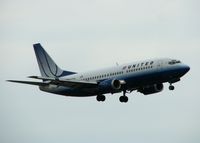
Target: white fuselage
x=128, y=69
x=135, y=75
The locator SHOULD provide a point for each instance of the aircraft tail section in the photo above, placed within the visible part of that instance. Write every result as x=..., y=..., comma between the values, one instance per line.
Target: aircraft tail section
x=48, y=68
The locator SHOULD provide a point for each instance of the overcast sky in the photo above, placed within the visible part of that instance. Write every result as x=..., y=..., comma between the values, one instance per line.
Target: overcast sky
x=84, y=35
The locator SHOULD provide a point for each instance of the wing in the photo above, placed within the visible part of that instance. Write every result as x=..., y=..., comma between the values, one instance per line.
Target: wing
x=29, y=82
x=59, y=82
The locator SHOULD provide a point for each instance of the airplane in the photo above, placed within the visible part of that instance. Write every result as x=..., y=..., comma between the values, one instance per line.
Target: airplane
x=146, y=77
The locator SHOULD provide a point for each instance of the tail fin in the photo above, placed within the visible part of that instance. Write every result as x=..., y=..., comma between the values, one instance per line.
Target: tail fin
x=47, y=66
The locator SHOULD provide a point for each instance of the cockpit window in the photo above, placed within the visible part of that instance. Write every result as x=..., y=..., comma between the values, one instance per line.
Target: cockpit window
x=172, y=62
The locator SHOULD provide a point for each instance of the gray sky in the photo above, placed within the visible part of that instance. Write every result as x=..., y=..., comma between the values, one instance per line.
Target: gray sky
x=83, y=35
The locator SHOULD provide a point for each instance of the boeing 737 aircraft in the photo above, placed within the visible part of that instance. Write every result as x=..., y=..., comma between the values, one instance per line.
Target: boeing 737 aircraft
x=146, y=77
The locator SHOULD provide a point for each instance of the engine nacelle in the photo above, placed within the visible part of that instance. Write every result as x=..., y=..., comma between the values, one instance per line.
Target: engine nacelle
x=110, y=84
x=151, y=89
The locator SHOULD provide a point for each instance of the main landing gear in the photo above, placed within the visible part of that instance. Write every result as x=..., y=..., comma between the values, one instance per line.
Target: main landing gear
x=123, y=98
x=101, y=98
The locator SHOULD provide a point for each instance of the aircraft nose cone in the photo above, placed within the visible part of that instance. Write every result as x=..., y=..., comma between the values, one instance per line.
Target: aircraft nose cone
x=186, y=68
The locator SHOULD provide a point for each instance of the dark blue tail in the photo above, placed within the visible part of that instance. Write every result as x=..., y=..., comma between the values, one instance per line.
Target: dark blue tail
x=48, y=68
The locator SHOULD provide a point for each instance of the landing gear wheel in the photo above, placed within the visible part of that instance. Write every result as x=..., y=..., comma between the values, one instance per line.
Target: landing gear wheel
x=101, y=98
x=123, y=99
x=171, y=87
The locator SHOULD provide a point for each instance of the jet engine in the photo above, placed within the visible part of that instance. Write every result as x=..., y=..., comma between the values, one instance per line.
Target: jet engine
x=155, y=88
x=110, y=84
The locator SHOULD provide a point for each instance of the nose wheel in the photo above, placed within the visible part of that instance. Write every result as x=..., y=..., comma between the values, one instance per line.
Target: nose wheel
x=171, y=87
x=124, y=98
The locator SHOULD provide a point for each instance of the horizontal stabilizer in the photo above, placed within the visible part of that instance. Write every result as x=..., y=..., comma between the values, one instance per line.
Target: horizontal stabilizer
x=43, y=78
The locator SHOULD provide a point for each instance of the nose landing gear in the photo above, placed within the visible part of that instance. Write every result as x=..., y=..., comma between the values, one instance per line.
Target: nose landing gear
x=171, y=87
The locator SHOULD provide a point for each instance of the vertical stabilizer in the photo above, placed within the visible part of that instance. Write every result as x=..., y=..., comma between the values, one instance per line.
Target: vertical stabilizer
x=47, y=66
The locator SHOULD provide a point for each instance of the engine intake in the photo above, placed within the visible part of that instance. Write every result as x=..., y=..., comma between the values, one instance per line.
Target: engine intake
x=116, y=84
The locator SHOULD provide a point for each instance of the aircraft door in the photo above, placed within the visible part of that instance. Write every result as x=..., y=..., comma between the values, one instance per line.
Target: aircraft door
x=160, y=64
